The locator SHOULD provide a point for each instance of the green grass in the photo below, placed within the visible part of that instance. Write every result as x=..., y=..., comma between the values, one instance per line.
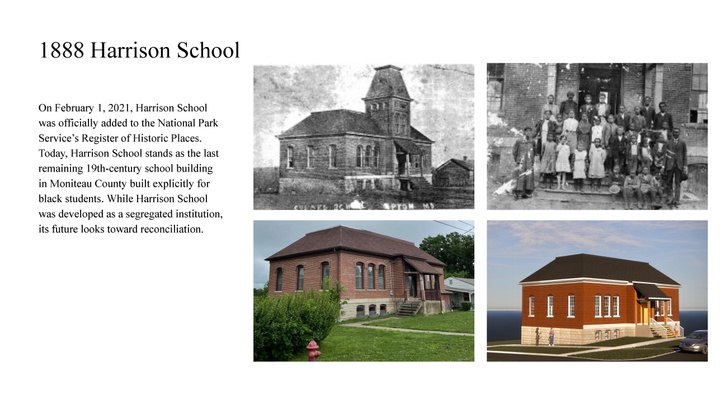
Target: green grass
x=348, y=344
x=538, y=349
x=456, y=321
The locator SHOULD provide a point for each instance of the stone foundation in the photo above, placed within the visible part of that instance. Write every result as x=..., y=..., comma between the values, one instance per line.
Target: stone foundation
x=575, y=336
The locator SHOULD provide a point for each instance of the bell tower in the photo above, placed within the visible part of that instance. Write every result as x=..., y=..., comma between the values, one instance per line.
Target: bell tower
x=388, y=103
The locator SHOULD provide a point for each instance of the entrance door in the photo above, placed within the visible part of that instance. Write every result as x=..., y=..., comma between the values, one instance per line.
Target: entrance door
x=412, y=285
x=402, y=161
x=596, y=78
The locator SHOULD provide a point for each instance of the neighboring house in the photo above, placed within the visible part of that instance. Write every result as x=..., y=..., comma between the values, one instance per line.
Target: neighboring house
x=455, y=173
x=587, y=298
x=462, y=289
x=345, y=150
x=378, y=274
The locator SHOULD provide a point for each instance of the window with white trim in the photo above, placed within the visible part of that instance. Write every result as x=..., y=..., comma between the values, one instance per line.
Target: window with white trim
x=598, y=303
x=290, y=157
x=571, y=305
x=670, y=307
x=616, y=306
x=606, y=307
x=550, y=305
x=332, y=156
x=531, y=307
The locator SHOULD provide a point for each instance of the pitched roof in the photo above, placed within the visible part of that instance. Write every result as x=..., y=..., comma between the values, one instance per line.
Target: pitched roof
x=388, y=82
x=334, y=122
x=597, y=267
x=466, y=164
x=346, y=238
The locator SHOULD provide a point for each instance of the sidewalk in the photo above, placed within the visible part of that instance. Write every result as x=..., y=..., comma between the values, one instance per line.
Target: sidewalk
x=596, y=349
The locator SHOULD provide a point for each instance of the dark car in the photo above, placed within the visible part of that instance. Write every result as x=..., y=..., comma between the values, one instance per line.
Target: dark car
x=697, y=341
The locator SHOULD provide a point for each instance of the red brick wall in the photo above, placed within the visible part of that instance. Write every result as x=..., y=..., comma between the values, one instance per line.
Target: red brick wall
x=584, y=304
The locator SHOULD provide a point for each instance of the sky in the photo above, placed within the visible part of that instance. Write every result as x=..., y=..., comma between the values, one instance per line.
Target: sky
x=516, y=249
x=272, y=236
x=442, y=108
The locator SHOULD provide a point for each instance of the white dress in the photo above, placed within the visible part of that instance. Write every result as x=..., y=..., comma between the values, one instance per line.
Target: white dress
x=562, y=165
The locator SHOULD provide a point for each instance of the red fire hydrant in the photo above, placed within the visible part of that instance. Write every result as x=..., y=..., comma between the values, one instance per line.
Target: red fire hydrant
x=313, y=352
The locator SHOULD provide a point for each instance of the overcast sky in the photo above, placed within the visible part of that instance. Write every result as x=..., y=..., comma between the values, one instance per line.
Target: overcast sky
x=273, y=236
x=516, y=249
x=442, y=108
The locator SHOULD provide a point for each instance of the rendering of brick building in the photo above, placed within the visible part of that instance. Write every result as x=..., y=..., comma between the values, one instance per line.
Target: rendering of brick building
x=343, y=150
x=378, y=274
x=517, y=92
x=587, y=298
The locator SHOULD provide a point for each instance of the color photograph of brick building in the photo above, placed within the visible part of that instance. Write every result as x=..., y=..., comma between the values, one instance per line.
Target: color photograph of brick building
x=378, y=274
x=588, y=298
x=348, y=130
x=642, y=97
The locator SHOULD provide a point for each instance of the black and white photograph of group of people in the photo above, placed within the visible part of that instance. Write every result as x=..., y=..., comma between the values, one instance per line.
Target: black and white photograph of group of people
x=636, y=154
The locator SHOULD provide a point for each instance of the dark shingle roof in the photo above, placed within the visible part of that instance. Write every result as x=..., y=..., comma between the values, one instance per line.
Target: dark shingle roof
x=388, y=82
x=338, y=121
x=597, y=267
x=345, y=238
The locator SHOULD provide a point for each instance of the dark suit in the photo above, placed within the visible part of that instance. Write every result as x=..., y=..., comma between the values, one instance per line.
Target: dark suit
x=649, y=114
x=618, y=148
x=539, y=145
x=675, y=163
x=660, y=118
x=567, y=106
x=624, y=121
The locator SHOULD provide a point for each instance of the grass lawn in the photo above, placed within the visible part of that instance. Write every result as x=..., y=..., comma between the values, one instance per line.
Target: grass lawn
x=353, y=344
x=456, y=321
x=647, y=351
x=538, y=349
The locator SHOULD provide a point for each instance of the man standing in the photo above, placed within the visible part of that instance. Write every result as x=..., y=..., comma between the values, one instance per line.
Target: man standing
x=661, y=117
x=603, y=108
x=648, y=111
x=524, y=156
x=542, y=128
x=569, y=105
x=588, y=108
x=676, y=165
x=610, y=130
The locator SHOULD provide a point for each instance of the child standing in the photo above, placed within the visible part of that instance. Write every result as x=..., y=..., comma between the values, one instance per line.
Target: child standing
x=579, y=167
x=562, y=163
x=633, y=154
x=596, y=132
x=596, y=172
x=547, y=162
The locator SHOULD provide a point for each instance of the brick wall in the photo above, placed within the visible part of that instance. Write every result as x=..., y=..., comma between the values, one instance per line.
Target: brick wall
x=633, y=86
x=525, y=91
x=677, y=86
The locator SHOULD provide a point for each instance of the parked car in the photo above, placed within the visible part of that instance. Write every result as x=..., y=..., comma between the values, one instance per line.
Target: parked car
x=697, y=341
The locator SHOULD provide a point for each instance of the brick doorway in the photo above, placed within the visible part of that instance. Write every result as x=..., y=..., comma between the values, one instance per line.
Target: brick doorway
x=597, y=78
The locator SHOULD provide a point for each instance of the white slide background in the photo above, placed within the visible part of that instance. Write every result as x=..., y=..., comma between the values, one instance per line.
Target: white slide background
x=151, y=319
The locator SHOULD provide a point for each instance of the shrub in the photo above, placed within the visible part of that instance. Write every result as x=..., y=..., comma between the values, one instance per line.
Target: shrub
x=466, y=306
x=283, y=326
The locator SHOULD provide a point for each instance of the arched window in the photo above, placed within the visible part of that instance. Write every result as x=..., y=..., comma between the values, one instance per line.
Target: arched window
x=368, y=156
x=371, y=276
x=358, y=156
x=376, y=156
x=360, y=311
x=359, y=276
x=290, y=157
x=381, y=277
x=325, y=269
x=300, y=277
x=332, y=156
x=383, y=308
x=278, y=279
x=372, y=310
x=606, y=307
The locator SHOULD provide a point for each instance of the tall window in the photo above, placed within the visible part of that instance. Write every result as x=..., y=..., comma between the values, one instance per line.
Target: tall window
x=699, y=95
x=358, y=156
x=278, y=280
x=376, y=156
x=290, y=157
x=332, y=156
x=598, y=303
x=310, y=156
x=616, y=306
x=300, y=277
x=371, y=276
x=550, y=305
x=606, y=307
x=571, y=305
x=325, y=268
x=669, y=305
x=358, y=276
x=368, y=156
x=495, y=83
x=381, y=277
x=531, y=307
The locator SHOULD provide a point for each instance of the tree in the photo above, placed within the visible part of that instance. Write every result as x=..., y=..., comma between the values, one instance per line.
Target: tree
x=456, y=250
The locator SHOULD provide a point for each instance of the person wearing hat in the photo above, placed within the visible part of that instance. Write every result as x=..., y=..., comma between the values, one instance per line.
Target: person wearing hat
x=569, y=104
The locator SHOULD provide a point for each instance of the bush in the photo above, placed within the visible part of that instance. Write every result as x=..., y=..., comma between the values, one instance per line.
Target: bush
x=466, y=306
x=283, y=326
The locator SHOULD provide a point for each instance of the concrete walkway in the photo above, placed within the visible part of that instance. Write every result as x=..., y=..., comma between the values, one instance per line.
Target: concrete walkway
x=364, y=324
x=596, y=349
